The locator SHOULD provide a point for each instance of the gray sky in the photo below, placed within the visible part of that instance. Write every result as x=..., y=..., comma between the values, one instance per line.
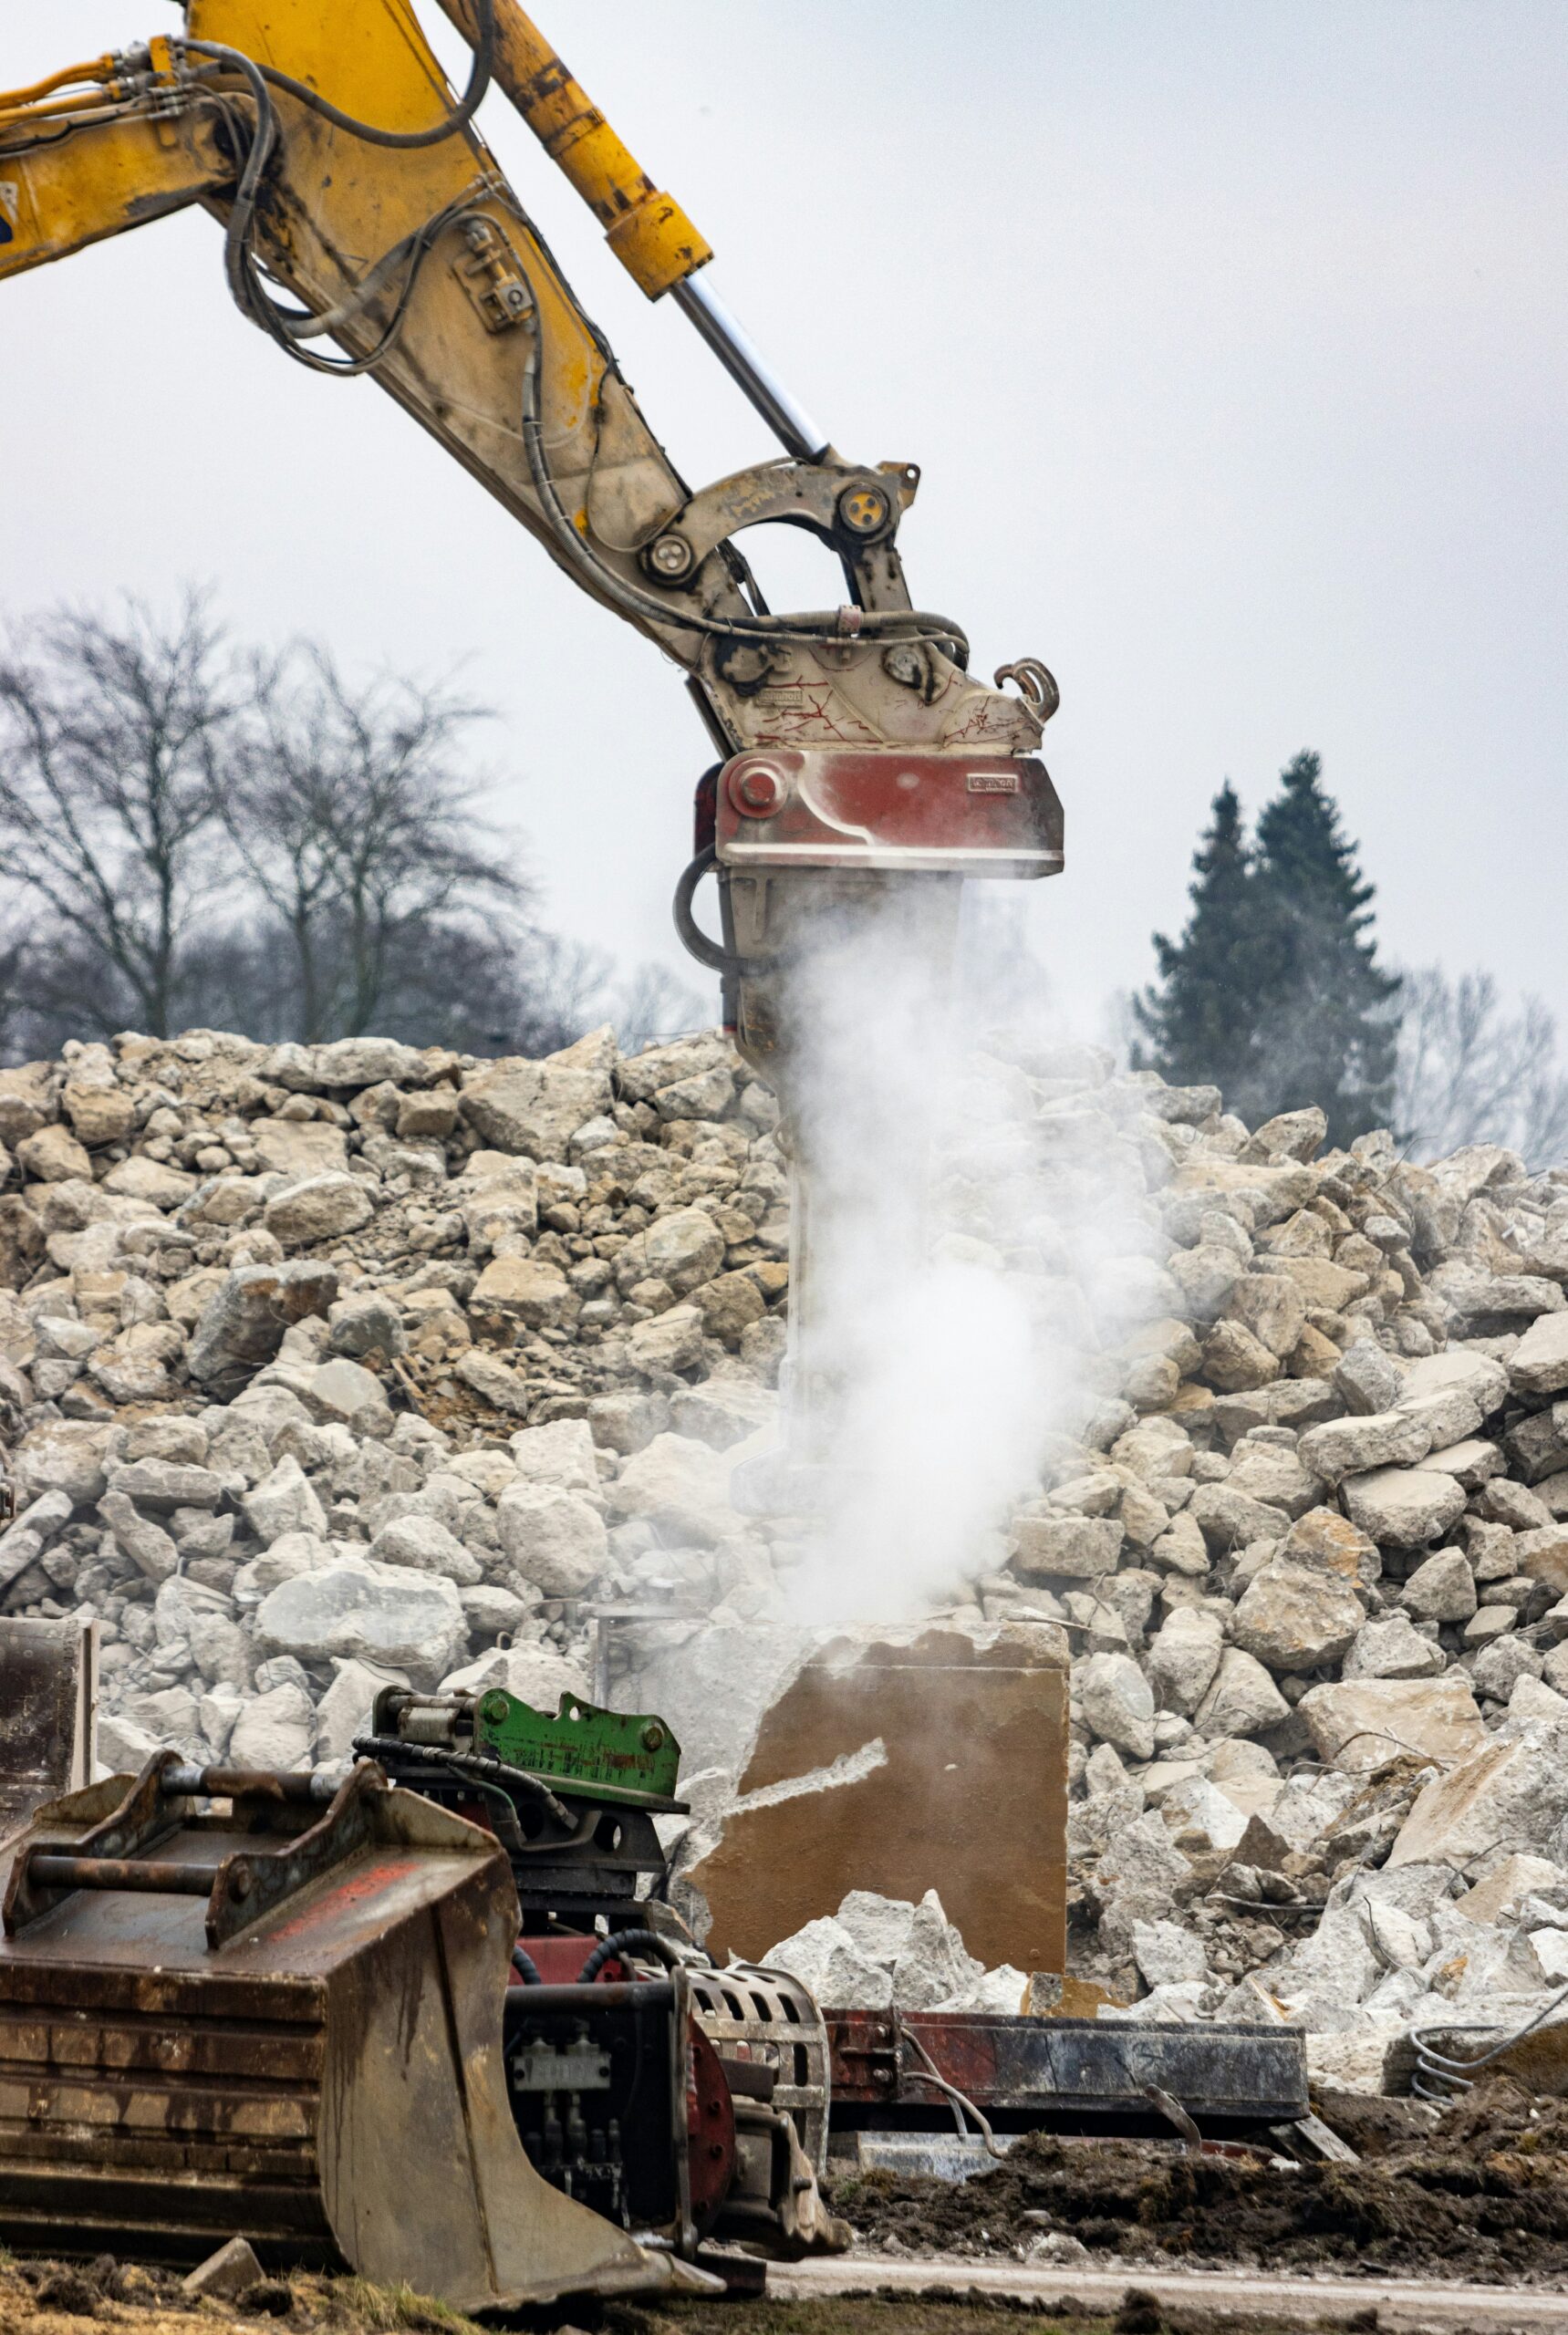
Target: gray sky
x=1229, y=334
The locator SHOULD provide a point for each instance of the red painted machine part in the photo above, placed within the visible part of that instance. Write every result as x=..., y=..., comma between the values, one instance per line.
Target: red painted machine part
x=559, y=1960
x=710, y=2128
x=838, y=807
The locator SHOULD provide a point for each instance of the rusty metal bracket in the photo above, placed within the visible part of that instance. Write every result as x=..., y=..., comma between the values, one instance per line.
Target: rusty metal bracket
x=240, y=1888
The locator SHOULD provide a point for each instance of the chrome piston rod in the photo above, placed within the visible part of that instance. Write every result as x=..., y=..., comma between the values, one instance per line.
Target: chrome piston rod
x=743, y=361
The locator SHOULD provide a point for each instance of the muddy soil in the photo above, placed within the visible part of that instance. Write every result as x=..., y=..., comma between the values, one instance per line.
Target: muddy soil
x=45, y=2298
x=913, y=2315
x=1482, y=2194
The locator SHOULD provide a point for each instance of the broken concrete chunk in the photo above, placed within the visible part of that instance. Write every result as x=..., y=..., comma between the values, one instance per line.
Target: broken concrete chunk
x=1403, y=1508
x=1329, y=1544
x=1184, y=1656
x=148, y=1546
x=1392, y=1648
x=225, y=2274
x=1442, y=1589
x=1539, y=1362
x=284, y=1501
x=1115, y=1700
x=1242, y=1700
x=879, y=1926
x=1343, y=1448
x=826, y=1959
x=553, y=1538
x=322, y=1208
x=1507, y=1794
x=1519, y=1876
x=934, y=1966
x=243, y=1324
x=1359, y=1724
x=561, y=1454
x=386, y=1614
x=1072, y=1548
x=1296, y=1618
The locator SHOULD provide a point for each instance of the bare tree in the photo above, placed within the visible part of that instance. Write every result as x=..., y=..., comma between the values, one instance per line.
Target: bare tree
x=653, y=1004
x=113, y=735
x=17, y=944
x=190, y=836
x=1469, y=1071
x=353, y=817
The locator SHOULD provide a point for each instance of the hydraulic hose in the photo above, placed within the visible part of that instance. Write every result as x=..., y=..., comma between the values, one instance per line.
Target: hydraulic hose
x=460, y=115
x=693, y=940
x=623, y=1941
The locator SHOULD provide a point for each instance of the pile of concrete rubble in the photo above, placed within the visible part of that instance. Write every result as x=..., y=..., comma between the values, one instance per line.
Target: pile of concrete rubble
x=322, y=1367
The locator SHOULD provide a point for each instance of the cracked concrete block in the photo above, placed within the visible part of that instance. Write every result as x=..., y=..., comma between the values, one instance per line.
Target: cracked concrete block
x=1508, y=1794
x=826, y=1959
x=935, y=1965
x=1168, y=1954
x=1243, y=1699
x=1357, y=1725
x=880, y=1926
x=1116, y=1699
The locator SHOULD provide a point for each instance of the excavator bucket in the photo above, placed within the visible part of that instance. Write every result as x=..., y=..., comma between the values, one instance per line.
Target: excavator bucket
x=229, y=2009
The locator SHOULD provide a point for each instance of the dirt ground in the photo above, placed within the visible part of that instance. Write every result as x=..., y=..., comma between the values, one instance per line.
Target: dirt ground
x=909, y=2315
x=42, y=2297
x=1483, y=2194
x=45, y=2298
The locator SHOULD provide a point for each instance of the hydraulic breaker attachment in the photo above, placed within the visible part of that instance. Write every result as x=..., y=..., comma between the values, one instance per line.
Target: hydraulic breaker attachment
x=231, y=2005
x=842, y=866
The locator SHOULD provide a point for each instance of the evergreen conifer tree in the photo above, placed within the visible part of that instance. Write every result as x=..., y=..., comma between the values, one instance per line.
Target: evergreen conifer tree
x=1199, y=1017
x=1274, y=992
x=1325, y=1030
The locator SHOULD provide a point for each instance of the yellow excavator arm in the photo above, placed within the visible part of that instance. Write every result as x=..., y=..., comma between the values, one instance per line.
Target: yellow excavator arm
x=368, y=229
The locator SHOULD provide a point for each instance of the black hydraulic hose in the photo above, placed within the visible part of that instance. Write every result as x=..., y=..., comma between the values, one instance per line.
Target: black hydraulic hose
x=460, y=115
x=623, y=1941
x=695, y=941
x=527, y=1970
x=242, y=211
x=284, y=327
x=468, y=1763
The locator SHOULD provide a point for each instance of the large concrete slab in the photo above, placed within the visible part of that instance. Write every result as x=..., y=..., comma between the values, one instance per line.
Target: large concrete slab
x=908, y=1761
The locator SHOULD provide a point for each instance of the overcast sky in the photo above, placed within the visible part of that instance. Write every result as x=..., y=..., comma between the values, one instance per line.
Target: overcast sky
x=1229, y=335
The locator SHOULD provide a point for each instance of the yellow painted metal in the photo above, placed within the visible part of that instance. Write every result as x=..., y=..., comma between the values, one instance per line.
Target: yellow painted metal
x=101, y=177
x=648, y=231
x=335, y=206
x=100, y=68
x=371, y=62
